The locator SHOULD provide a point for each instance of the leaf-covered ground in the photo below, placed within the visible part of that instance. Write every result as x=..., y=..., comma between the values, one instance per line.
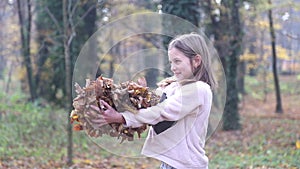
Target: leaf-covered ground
x=266, y=140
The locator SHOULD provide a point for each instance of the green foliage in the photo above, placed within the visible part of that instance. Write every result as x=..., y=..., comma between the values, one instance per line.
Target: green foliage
x=24, y=127
x=257, y=88
x=274, y=158
x=50, y=76
x=272, y=149
x=260, y=85
x=186, y=9
x=50, y=61
x=30, y=130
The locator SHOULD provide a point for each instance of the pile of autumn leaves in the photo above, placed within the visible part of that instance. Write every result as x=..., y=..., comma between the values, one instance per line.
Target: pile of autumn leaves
x=126, y=96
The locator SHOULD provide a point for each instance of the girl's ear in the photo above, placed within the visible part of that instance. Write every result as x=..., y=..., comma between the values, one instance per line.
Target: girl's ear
x=197, y=61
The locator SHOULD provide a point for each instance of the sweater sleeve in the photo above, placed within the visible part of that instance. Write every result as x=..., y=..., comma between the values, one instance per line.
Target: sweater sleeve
x=183, y=102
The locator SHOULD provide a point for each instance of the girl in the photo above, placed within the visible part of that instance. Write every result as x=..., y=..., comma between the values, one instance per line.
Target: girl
x=179, y=123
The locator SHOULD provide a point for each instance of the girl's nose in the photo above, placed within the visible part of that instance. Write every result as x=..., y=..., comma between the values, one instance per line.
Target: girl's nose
x=173, y=68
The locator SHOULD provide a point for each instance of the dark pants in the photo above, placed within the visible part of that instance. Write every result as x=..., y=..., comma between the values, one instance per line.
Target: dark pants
x=166, y=166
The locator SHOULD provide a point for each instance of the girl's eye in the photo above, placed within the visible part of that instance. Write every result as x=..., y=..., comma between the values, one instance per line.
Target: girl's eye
x=177, y=61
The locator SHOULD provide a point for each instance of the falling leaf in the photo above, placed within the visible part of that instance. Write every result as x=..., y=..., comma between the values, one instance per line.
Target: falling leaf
x=77, y=127
x=298, y=144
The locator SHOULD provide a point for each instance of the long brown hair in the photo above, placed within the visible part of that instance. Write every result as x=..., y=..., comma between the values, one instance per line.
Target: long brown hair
x=192, y=45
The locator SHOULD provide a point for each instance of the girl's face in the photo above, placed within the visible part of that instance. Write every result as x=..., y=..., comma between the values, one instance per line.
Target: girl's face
x=180, y=64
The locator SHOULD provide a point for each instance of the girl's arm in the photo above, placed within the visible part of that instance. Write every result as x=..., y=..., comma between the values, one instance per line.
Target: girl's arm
x=185, y=101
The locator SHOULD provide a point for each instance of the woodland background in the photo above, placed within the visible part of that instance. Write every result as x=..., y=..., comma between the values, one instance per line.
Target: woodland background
x=258, y=44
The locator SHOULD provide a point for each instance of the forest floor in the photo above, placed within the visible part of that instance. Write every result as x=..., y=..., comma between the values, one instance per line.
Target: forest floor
x=267, y=140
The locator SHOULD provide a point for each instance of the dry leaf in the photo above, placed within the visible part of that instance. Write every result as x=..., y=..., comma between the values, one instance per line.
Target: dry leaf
x=127, y=96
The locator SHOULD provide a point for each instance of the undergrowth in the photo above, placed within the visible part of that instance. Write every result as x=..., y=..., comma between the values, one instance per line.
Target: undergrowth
x=35, y=130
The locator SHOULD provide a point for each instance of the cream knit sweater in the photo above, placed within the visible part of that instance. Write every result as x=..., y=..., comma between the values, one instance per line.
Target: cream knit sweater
x=182, y=145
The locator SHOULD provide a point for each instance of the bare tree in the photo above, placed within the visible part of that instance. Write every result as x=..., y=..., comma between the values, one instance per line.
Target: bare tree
x=24, y=13
x=68, y=36
x=274, y=61
x=69, y=33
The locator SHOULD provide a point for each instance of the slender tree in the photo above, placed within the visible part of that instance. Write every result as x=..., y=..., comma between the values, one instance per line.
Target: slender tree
x=71, y=27
x=24, y=14
x=274, y=61
x=68, y=82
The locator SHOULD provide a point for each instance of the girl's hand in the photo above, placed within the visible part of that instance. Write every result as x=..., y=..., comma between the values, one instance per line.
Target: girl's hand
x=110, y=115
x=142, y=81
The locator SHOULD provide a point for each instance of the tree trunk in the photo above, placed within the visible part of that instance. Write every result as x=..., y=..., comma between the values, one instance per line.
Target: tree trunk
x=68, y=81
x=185, y=9
x=241, y=77
x=274, y=62
x=115, y=53
x=25, y=27
x=12, y=65
x=231, y=114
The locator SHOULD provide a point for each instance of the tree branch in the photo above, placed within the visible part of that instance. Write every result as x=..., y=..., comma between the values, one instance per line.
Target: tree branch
x=291, y=36
x=70, y=20
x=86, y=13
x=53, y=19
